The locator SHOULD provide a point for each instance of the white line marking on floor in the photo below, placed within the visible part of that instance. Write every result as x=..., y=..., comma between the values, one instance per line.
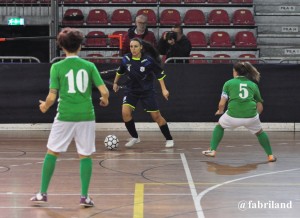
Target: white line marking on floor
x=201, y=195
x=191, y=185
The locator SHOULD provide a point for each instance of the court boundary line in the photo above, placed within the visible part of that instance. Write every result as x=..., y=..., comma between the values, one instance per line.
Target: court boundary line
x=145, y=126
x=203, y=193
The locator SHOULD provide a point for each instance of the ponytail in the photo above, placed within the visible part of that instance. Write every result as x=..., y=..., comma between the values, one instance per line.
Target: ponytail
x=248, y=70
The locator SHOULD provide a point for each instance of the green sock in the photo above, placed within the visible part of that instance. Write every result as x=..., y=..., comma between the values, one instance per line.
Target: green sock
x=47, y=171
x=263, y=139
x=85, y=174
x=216, y=137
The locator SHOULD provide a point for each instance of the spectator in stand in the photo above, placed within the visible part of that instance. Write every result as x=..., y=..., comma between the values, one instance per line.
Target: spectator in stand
x=140, y=30
x=175, y=44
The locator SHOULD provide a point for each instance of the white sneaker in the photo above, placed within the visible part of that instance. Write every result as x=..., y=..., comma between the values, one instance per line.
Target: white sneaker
x=169, y=144
x=209, y=153
x=132, y=141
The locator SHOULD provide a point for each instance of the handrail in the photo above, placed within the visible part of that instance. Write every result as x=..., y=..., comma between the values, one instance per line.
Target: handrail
x=20, y=58
x=87, y=58
x=219, y=58
x=288, y=59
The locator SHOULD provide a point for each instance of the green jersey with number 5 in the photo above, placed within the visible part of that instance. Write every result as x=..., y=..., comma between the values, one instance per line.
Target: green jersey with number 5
x=74, y=78
x=242, y=95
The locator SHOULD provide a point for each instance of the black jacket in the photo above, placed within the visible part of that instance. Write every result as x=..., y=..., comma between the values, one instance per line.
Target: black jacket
x=181, y=48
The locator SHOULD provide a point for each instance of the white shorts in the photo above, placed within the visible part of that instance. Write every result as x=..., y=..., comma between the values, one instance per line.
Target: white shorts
x=62, y=134
x=253, y=124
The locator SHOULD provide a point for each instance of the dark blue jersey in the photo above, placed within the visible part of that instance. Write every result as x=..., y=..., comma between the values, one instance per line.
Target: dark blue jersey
x=140, y=72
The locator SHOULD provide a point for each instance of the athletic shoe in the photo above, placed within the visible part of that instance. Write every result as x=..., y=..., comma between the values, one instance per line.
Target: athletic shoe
x=86, y=201
x=132, y=141
x=169, y=144
x=209, y=153
x=272, y=158
x=39, y=198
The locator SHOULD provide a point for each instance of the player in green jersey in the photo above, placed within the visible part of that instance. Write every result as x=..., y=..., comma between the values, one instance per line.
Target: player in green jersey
x=73, y=78
x=244, y=107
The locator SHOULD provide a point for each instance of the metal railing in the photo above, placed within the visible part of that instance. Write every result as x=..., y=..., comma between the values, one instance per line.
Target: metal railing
x=89, y=58
x=224, y=60
x=19, y=59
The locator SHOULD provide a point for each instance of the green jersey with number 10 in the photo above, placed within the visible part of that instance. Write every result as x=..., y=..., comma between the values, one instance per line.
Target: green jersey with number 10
x=243, y=94
x=74, y=78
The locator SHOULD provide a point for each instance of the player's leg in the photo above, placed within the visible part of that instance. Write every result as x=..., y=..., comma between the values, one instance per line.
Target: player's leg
x=59, y=139
x=129, y=103
x=150, y=105
x=255, y=127
x=225, y=121
x=85, y=144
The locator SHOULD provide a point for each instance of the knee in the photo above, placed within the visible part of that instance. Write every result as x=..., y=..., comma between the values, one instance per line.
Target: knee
x=126, y=116
x=159, y=120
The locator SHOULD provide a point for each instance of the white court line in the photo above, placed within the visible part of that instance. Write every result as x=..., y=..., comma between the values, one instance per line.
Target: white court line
x=30, y=207
x=201, y=195
x=192, y=185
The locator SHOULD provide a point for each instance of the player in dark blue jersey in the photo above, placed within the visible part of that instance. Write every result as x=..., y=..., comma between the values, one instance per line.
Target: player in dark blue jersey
x=141, y=70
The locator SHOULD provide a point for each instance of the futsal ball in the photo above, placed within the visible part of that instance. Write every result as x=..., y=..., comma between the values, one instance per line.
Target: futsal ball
x=111, y=142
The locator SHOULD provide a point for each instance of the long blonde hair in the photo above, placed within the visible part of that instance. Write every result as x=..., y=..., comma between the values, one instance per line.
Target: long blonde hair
x=248, y=70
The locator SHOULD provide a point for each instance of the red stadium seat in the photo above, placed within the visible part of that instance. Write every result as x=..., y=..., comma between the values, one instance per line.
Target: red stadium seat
x=241, y=1
x=198, y=61
x=220, y=39
x=98, y=1
x=197, y=38
x=243, y=17
x=99, y=61
x=218, y=1
x=245, y=39
x=115, y=42
x=194, y=17
x=170, y=1
x=73, y=17
x=93, y=41
x=194, y=1
x=150, y=14
x=218, y=17
x=146, y=1
x=121, y=17
x=170, y=17
x=26, y=1
x=221, y=61
x=97, y=17
x=115, y=61
x=121, y=1
x=73, y=1
x=249, y=56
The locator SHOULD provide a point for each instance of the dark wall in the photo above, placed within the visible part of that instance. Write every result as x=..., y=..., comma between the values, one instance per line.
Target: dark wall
x=35, y=48
x=194, y=93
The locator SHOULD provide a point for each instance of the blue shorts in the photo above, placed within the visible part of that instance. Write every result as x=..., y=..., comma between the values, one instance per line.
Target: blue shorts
x=147, y=99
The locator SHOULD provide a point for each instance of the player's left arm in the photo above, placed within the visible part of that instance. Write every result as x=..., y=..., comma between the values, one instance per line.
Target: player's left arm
x=163, y=87
x=50, y=100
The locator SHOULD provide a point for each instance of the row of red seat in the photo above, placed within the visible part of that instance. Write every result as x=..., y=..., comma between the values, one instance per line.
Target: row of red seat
x=129, y=1
x=218, y=39
x=192, y=61
x=167, y=17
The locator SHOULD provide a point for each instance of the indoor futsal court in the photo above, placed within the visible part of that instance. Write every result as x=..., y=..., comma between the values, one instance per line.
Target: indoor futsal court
x=150, y=181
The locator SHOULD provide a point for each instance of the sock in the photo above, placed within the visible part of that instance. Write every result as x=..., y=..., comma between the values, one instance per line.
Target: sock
x=47, y=171
x=216, y=137
x=86, y=166
x=263, y=139
x=166, y=132
x=130, y=125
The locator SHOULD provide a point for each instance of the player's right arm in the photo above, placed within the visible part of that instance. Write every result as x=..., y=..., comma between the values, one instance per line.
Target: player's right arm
x=259, y=107
x=104, y=95
x=221, y=107
x=45, y=105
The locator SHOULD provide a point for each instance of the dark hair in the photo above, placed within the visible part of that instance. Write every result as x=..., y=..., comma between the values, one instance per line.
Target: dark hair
x=177, y=26
x=70, y=39
x=148, y=49
x=248, y=70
